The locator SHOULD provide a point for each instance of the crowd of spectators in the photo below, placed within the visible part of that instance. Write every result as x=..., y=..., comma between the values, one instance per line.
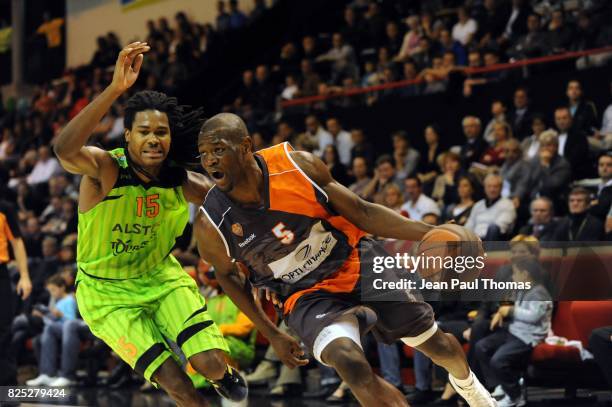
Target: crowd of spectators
x=517, y=173
x=383, y=42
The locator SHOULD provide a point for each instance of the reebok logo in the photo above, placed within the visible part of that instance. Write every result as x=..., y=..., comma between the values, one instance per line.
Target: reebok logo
x=247, y=240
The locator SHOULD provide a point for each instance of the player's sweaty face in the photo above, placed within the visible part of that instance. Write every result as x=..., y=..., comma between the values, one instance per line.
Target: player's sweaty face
x=220, y=160
x=149, y=138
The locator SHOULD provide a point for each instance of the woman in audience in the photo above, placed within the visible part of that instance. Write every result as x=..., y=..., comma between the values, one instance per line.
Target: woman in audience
x=531, y=145
x=494, y=155
x=459, y=212
x=445, y=186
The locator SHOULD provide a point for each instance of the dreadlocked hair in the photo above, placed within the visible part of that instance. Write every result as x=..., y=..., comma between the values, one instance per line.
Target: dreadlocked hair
x=184, y=121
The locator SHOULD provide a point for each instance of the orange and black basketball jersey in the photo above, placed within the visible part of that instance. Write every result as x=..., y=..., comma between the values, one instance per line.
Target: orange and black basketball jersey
x=295, y=240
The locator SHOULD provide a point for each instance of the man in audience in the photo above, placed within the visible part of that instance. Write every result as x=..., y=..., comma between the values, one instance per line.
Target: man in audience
x=360, y=172
x=516, y=173
x=406, y=157
x=550, y=172
x=542, y=224
x=573, y=146
x=341, y=139
x=475, y=146
x=492, y=218
x=584, y=113
x=46, y=166
x=579, y=225
x=519, y=116
x=318, y=132
x=384, y=174
x=342, y=59
x=418, y=204
x=603, y=199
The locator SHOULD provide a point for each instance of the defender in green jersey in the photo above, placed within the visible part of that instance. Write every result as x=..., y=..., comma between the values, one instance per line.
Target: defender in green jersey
x=131, y=291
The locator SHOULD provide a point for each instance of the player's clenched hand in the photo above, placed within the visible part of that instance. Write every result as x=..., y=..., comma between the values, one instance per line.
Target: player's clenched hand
x=288, y=350
x=128, y=65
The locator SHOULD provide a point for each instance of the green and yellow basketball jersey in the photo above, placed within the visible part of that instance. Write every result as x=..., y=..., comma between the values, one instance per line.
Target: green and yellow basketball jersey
x=135, y=226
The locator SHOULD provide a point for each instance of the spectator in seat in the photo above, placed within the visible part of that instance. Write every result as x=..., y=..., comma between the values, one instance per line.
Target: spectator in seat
x=383, y=174
x=519, y=116
x=318, y=133
x=393, y=198
x=531, y=145
x=393, y=40
x=465, y=28
x=342, y=59
x=411, y=43
x=516, y=25
x=445, y=186
x=560, y=33
x=534, y=43
x=584, y=113
x=475, y=146
x=550, y=172
x=504, y=354
x=417, y=204
x=516, y=173
x=542, y=224
x=447, y=44
x=406, y=157
x=498, y=111
x=310, y=80
x=341, y=139
x=223, y=18
x=459, y=211
x=496, y=154
x=579, y=225
x=601, y=140
x=493, y=217
x=55, y=318
x=601, y=204
x=362, y=178
x=572, y=145
x=33, y=237
x=352, y=32
x=46, y=166
x=361, y=146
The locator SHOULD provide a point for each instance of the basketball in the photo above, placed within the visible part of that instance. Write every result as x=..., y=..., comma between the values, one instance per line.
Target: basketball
x=450, y=243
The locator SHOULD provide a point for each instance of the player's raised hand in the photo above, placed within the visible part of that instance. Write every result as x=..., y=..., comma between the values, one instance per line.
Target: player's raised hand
x=288, y=350
x=128, y=65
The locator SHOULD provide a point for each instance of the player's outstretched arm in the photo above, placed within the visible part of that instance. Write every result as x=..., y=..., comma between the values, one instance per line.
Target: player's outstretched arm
x=233, y=282
x=70, y=146
x=372, y=218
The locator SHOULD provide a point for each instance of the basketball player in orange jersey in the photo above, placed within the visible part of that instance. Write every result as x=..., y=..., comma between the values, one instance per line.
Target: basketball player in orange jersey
x=302, y=235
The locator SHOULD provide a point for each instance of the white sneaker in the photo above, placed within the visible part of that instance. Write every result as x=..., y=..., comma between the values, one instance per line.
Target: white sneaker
x=61, y=382
x=475, y=394
x=42, y=380
x=498, y=393
x=508, y=401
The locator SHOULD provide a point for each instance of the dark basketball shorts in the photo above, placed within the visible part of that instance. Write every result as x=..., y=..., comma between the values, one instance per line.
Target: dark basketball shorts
x=389, y=319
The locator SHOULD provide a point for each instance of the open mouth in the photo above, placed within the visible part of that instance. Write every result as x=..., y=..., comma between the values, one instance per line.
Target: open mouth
x=217, y=175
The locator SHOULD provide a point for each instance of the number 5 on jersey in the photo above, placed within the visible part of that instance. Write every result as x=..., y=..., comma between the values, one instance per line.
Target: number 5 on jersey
x=285, y=235
x=151, y=205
